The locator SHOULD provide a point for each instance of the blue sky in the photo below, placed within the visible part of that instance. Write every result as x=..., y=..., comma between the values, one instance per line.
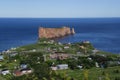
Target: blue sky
x=59, y=8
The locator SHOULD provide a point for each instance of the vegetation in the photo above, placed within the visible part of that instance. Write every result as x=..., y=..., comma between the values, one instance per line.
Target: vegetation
x=36, y=56
x=94, y=73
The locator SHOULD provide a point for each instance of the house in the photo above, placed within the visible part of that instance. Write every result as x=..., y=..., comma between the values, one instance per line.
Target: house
x=54, y=49
x=23, y=66
x=44, y=42
x=1, y=57
x=80, y=66
x=34, y=50
x=118, y=62
x=5, y=72
x=95, y=51
x=113, y=63
x=26, y=71
x=59, y=55
x=89, y=58
x=22, y=72
x=86, y=42
x=62, y=66
x=82, y=47
x=52, y=41
x=69, y=43
x=7, y=51
x=48, y=49
x=96, y=64
x=17, y=73
x=78, y=52
x=59, y=43
x=13, y=48
x=60, y=49
x=54, y=68
x=13, y=54
x=66, y=47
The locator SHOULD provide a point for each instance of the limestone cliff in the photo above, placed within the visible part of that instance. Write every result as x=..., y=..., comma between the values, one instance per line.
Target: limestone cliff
x=55, y=32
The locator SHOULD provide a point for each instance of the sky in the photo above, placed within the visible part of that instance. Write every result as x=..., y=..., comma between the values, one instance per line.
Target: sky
x=59, y=8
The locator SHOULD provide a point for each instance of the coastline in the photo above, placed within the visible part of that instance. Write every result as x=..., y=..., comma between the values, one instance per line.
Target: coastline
x=98, y=32
x=56, y=54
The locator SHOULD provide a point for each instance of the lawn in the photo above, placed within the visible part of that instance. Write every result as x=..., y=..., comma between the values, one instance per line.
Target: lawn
x=1, y=78
x=94, y=73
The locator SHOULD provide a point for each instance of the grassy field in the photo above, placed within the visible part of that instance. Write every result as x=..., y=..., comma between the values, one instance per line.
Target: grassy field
x=1, y=78
x=93, y=74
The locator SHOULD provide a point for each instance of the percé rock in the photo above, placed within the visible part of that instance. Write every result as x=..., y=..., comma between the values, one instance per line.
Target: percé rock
x=50, y=33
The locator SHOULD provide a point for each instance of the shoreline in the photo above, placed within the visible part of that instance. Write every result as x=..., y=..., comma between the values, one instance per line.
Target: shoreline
x=56, y=40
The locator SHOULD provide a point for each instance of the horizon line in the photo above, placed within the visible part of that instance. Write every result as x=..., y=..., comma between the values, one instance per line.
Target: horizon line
x=60, y=17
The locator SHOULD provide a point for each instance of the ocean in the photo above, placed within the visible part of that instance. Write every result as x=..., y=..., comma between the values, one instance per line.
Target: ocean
x=103, y=33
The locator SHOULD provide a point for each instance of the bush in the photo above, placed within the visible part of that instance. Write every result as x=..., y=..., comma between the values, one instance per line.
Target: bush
x=117, y=78
x=116, y=71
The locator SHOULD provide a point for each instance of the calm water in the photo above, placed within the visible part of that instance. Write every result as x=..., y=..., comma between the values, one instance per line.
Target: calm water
x=104, y=33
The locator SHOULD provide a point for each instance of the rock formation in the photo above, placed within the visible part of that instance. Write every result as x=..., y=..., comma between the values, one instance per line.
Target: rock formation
x=50, y=33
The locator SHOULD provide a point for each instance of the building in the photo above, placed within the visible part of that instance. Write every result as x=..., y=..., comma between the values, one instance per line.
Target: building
x=54, y=68
x=66, y=47
x=22, y=72
x=95, y=51
x=80, y=66
x=1, y=57
x=86, y=42
x=13, y=54
x=59, y=55
x=17, y=73
x=62, y=66
x=26, y=71
x=5, y=72
x=23, y=66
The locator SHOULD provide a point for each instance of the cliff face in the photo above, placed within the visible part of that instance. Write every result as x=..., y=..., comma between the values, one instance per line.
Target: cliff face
x=55, y=32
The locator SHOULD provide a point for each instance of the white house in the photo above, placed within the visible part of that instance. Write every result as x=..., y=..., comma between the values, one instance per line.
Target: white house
x=69, y=43
x=119, y=62
x=13, y=54
x=1, y=57
x=59, y=43
x=89, y=58
x=62, y=66
x=23, y=66
x=80, y=66
x=95, y=51
x=5, y=72
x=26, y=71
x=96, y=64
x=66, y=47
x=86, y=42
x=54, y=68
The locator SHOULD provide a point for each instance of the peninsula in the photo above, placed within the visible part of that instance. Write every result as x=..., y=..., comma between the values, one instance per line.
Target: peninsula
x=51, y=60
x=51, y=33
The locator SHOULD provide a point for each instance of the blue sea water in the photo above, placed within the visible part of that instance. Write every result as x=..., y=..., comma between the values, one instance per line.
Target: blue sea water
x=103, y=33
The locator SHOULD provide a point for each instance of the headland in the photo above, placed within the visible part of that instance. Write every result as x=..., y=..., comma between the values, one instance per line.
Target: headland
x=51, y=33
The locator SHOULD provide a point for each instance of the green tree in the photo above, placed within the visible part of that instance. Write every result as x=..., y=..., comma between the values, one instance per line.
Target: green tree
x=42, y=70
x=72, y=64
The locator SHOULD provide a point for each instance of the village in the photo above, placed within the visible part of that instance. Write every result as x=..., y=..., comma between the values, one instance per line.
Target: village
x=58, y=56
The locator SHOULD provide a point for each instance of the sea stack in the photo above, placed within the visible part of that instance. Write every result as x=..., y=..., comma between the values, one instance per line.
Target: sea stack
x=51, y=33
x=72, y=31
